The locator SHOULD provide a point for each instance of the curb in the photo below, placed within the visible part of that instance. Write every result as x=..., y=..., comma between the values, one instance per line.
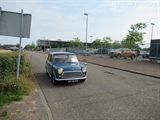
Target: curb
x=43, y=102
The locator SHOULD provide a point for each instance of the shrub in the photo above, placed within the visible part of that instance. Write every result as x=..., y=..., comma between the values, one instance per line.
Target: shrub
x=12, y=89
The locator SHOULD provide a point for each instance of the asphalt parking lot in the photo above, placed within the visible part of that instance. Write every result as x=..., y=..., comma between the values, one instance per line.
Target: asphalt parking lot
x=138, y=65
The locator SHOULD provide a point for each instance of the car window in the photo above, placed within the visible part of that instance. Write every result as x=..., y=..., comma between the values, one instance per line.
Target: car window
x=65, y=59
x=73, y=58
x=49, y=56
x=59, y=58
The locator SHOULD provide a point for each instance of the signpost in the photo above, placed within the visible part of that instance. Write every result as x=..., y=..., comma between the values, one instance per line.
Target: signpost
x=15, y=25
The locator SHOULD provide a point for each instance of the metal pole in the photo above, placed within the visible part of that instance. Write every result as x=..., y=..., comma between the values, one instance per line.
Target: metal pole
x=19, y=51
x=152, y=30
x=86, y=33
x=91, y=39
x=0, y=11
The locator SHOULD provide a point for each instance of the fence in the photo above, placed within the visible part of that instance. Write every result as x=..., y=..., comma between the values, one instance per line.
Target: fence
x=153, y=48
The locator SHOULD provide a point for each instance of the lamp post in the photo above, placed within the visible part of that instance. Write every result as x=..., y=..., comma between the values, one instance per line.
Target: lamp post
x=44, y=43
x=152, y=30
x=86, y=33
x=91, y=38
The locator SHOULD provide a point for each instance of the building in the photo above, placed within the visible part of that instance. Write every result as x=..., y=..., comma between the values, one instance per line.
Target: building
x=43, y=44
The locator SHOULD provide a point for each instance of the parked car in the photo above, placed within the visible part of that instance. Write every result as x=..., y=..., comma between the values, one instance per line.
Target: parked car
x=137, y=51
x=64, y=66
x=145, y=55
x=101, y=51
x=123, y=52
x=142, y=52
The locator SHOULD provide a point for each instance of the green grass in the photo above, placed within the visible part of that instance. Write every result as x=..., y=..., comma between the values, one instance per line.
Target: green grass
x=9, y=98
x=4, y=113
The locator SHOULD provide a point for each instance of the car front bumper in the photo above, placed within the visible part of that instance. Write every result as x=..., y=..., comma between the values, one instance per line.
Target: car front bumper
x=68, y=79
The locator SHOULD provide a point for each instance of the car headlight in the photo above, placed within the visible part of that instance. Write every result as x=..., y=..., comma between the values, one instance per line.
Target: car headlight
x=84, y=69
x=60, y=70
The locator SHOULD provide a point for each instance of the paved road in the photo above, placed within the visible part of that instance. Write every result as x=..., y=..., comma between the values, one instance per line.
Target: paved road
x=107, y=94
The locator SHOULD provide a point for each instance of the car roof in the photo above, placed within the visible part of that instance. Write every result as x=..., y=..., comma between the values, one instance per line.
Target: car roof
x=61, y=53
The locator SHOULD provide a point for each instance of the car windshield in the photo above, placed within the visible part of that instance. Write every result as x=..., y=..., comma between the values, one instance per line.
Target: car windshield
x=65, y=59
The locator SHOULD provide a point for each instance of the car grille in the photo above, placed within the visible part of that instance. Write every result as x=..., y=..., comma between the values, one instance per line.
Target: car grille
x=72, y=74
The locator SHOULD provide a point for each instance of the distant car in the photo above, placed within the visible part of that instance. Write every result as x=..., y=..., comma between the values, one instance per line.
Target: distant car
x=101, y=51
x=142, y=52
x=64, y=66
x=137, y=51
x=145, y=55
x=122, y=52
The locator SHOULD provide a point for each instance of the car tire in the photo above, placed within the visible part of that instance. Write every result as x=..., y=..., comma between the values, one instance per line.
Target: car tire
x=83, y=80
x=53, y=80
x=118, y=56
x=132, y=57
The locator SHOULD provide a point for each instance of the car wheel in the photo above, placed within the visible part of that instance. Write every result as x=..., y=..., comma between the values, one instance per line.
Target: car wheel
x=53, y=80
x=118, y=56
x=83, y=80
x=132, y=57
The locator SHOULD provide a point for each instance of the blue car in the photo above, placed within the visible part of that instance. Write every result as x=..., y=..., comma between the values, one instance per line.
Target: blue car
x=64, y=66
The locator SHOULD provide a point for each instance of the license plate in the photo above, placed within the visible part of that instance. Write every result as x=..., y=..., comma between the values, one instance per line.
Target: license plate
x=71, y=81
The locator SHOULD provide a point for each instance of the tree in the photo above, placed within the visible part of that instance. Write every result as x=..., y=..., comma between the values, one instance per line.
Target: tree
x=134, y=35
x=54, y=45
x=18, y=46
x=97, y=43
x=116, y=44
x=76, y=42
x=106, y=42
x=28, y=47
x=33, y=45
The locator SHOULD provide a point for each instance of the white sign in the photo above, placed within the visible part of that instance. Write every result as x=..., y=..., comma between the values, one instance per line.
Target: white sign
x=10, y=24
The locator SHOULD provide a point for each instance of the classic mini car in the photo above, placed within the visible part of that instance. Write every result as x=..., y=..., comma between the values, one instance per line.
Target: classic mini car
x=64, y=66
x=123, y=52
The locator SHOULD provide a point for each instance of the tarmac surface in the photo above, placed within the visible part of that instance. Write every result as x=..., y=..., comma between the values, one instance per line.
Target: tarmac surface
x=27, y=108
x=139, y=66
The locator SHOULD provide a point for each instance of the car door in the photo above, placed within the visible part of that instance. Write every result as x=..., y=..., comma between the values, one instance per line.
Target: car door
x=126, y=52
x=47, y=61
x=50, y=64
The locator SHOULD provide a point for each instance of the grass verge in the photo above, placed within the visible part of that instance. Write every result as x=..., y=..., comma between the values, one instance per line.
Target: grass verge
x=12, y=89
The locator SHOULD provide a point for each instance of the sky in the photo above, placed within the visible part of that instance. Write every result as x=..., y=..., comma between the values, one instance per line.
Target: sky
x=65, y=19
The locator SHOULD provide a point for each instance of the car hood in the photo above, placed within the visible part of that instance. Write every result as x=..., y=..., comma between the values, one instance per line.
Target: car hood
x=69, y=66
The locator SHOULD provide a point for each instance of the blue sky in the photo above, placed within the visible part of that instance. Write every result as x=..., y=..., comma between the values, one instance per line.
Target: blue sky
x=65, y=19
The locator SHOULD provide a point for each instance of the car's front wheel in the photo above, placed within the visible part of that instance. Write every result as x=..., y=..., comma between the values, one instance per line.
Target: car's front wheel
x=53, y=80
x=118, y=56
x=132, y=57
